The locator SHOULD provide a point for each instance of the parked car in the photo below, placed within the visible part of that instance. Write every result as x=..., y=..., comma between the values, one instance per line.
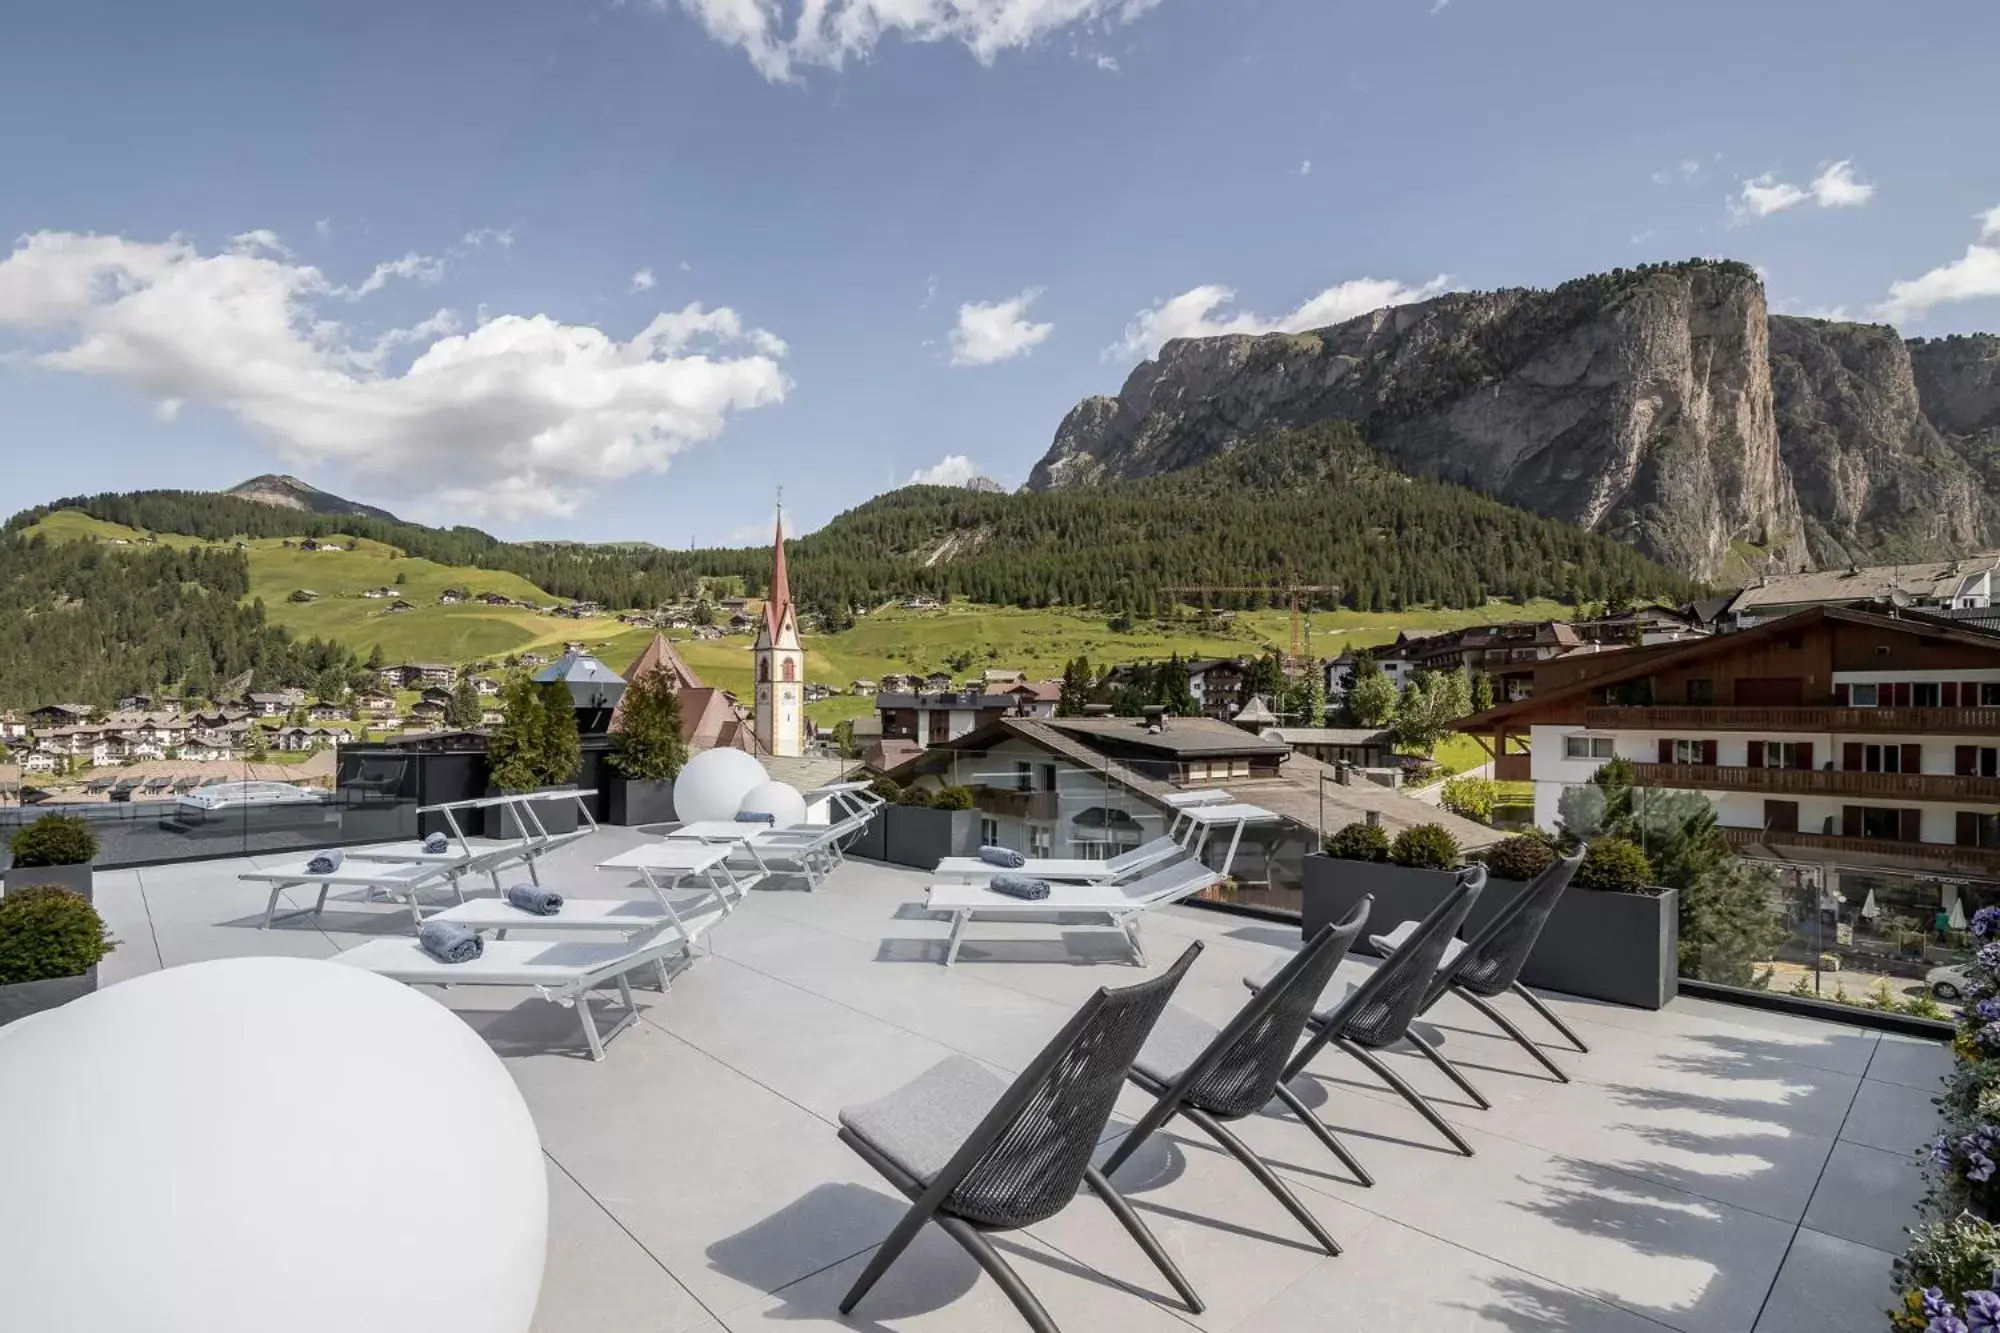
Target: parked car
x=1950, y=982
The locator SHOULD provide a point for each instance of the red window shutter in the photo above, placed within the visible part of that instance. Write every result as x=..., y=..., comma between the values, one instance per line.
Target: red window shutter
x=1666, y=751
x=1968, y=829
x=1965, y=760
x=1850, y=756
x=1756, y=754
x=1913, y=825
x=1708, y=755
x=1802, y=756
x=1913, y=758
x=1948, y=694
x=1902, y=694
x=1850, y=821
x=1840, y=696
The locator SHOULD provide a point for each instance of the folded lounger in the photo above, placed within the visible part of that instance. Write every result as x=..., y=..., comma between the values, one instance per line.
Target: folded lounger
x=1123, y=866
x=664, y=865
x=1120, y=904
x=564, y=972
x=400, y=882
x=809, y=849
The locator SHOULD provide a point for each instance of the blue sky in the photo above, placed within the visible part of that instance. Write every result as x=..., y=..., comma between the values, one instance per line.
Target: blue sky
x=397, y=248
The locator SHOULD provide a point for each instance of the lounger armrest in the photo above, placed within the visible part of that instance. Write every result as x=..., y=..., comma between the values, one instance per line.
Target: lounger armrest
x=1390, y=941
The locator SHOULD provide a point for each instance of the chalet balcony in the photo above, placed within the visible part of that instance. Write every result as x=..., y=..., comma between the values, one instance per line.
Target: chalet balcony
x=1907, y=721
x=1818, y=782
x=1939, y=857
x=1013, y=801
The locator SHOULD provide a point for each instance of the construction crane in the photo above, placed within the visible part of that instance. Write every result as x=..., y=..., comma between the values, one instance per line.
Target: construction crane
x=1296, y=592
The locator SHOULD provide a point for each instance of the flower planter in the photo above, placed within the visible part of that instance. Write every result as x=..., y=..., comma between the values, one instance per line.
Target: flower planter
x=1333, y=886
x=32, y=997
x=1617, y=947
x=77, y=879
x=869, y=844
x=921, y=837
x=557, y=816
x=637, y=801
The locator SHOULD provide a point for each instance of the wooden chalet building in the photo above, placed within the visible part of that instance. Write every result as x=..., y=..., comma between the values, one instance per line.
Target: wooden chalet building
x=1855, y=740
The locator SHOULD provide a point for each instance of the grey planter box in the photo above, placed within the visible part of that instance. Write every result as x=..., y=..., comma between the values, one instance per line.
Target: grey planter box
x=1617, y=947
x=870, y=844
x=636, y=801
x=1333, y=887
x=556, y=816
x=77, y=879
x=32, y=997
x=922, y=837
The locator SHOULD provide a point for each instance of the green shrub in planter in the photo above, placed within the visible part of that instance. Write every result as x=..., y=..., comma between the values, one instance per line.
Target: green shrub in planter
x=1521, y=857
x=1358, y=842
x=647, y=747
x=1425, y=847
x=887, y=788
x=54, y=840
x=914, y=796
x=1614, y=865
x=953, y=798
x=48, y=932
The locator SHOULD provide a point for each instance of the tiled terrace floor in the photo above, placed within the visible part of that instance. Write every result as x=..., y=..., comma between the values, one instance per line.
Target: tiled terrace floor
x=1711, y=1169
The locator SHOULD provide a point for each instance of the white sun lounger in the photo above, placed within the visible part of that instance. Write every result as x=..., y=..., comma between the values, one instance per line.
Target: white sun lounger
x=564, y=972
x=807, y=848
x=1121, y=905
x=675, y=861
x=600, y=915
x=1123, y=866
x=400, y=882
x=469, y=856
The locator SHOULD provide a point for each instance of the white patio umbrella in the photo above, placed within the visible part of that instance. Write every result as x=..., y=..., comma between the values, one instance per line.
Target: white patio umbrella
x=1868, y=909
x=1957, y=918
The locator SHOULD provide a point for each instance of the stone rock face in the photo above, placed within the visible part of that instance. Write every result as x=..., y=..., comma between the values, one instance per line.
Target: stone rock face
x=1664, y=406
x=1874, y=477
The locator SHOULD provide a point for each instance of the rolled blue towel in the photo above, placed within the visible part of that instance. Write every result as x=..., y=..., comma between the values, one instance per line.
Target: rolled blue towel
x=1019, y=886
x=326, y=862
x=1006, y=857
x=534, y=898
x=449, y=942
x=435, y=845
x=756, y=817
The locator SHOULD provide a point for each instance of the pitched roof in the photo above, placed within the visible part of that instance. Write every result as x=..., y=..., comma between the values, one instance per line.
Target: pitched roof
x=1328, y=735
x=1939, y=579
x=1182, y=736
x=778, y=606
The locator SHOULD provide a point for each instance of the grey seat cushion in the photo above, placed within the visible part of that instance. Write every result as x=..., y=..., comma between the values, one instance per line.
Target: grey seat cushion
x=923, y=1123
x=1177, y=1041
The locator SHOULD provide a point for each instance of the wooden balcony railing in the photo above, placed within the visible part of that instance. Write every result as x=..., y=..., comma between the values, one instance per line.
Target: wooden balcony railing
x=1820, y=782
x=1908, y=721
x=1939, y=857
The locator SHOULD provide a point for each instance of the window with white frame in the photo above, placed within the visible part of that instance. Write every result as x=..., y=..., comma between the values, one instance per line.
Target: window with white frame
x=1687, y=752
x=1785, y=754
x=1587, y=747
x=989, y=833
x=1041, y=840
x=1861, y=696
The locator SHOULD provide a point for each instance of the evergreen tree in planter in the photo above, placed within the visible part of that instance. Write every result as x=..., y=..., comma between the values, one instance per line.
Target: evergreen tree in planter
x=1358, y=842
x=535, y=749
x=647, y=751
x=51, y=941
x=55, y=849
x=1425, y=847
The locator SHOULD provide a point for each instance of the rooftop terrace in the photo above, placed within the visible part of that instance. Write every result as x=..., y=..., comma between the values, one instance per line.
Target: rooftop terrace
x=1711, y=1169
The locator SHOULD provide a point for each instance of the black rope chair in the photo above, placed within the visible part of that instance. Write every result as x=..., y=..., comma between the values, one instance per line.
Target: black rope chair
x=977, y=1155
x=1209, y=1075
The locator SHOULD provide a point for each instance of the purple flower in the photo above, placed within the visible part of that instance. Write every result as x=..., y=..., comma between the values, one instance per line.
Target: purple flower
x=1982, y=1311
x=1934, y=1302
x=1986, y=922
x=1946, y=1324
x=1987, y=1010
x=1981, y=1168
x=1988, y=957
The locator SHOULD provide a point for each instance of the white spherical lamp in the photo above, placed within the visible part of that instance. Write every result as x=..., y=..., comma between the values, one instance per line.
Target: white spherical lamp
x=780, y=800
x=253, y=1144
x=712, y=785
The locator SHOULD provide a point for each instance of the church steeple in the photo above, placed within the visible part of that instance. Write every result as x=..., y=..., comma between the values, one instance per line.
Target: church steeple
x=780, y=662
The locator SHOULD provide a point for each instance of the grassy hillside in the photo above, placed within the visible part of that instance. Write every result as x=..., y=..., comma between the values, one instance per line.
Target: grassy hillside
x=889, y=639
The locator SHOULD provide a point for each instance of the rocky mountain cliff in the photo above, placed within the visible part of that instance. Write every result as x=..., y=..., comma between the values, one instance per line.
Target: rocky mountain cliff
x=1664, y=406
x=285, y=492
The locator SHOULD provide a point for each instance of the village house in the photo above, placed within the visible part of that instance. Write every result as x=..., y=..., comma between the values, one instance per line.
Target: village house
x=451, y=597
x=269, y=705
x=39, y=761
x=375, y=703
x=295, y=739
x=1036, y=698
x=533, y=659
x=60, y=715
x=12, y=728
x=205, y=752
x=326, y=712
x=1217, y=686
x=427, y=710
x=863, y=687
x=938, y=682
x=437, y=694
x=707, y=632
x=486, y=685
x=492, y=717
x=379, y=593
x=411, y=675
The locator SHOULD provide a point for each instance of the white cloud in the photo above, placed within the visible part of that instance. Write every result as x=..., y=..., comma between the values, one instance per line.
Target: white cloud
x=643, y=280
x=545, y=411
x=499, y=237
x=1109, y=64
x=781, y=35
x=1641, y=237
x=930, y=292
x=325, y=228
x=415, y=267
x=760, y=532
x=1199, y=313
x=990, y=331
x=1689, y=169
x=1971, y=277
x=1836, y=186
x=951, y=470
x=1306, y=167
x=169, y=409
x=1438, y=6
x=686, y=267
